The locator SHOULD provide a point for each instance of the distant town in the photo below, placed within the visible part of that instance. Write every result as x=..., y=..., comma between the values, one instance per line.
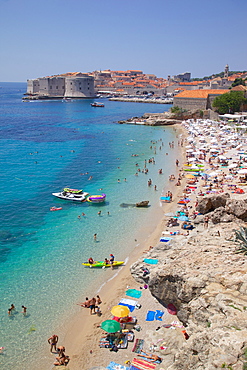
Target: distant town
x=136, y=86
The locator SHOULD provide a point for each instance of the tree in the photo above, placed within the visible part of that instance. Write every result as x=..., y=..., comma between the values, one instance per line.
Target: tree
x=238, y=81
x=229, y=102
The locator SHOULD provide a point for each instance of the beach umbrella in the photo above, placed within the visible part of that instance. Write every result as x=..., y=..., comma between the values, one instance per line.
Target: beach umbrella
x=120, y=311
x=243, y=171
x=110, y=326
x=233, y=165
x=183, y=218
x=189, y=176
x=169, y=214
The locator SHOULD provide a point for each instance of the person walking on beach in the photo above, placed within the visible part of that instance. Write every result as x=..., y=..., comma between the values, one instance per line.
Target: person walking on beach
x=53, y=342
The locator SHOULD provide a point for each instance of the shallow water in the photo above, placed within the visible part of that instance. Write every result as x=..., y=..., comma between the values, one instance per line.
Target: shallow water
x=45, y=146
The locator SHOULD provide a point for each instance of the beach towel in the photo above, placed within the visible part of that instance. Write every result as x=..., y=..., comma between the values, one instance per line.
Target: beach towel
x=130, y=303
x=148, y=359
x=165, y=240
x=158, y=315
x=141, y=364
x=151, y=261
x=114, y=366
x=139, y=343
x=133, y=293
x=150, y=316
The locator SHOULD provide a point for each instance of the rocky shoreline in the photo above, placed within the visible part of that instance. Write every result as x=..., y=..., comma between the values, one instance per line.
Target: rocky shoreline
x=206, y=280
x=164, y=119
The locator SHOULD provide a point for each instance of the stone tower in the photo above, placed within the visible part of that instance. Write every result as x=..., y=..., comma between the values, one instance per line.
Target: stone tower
x=226, y=71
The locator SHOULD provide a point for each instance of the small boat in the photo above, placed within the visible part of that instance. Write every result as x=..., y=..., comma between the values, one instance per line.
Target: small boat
x=96, y=104
x=143, y=203
x=55, y=208
x=72, y=194
x=102, y=264
x=96, y=198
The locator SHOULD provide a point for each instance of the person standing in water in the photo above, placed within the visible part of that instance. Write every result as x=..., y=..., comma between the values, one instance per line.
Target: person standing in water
x=112, y=258
x=53, y=342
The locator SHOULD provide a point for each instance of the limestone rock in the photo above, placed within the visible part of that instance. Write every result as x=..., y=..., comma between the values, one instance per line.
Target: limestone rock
x=207, y=282
x=237, y=208
x=209, y=203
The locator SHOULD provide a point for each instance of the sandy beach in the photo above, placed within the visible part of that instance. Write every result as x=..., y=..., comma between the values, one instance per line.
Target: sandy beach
x=82, y=338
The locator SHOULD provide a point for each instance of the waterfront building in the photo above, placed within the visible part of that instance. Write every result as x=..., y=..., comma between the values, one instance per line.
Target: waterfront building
x=197, y=99
x=68, y=85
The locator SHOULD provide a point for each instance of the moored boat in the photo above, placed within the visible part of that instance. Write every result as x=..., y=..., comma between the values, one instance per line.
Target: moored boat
x=96, y=104
x=102, y=264
x=96, y=198
x=72, y=194
x=55, y=208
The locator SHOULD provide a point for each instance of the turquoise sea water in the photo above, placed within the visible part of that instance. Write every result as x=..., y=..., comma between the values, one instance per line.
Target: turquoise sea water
x=45, y=146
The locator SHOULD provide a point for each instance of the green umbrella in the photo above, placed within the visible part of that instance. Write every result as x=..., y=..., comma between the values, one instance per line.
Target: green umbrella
x=110, y=326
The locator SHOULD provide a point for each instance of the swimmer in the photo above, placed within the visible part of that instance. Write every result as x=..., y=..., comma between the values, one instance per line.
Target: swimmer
x=95, y=236
x=99, y=213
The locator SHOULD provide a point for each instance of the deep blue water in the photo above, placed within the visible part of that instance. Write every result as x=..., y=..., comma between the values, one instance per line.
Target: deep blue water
x=45, y=146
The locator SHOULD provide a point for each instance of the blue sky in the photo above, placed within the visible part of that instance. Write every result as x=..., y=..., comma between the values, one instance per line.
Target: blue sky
x=164, y=37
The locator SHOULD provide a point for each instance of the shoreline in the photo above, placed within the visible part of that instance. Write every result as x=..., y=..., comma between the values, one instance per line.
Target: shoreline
x=79, y=345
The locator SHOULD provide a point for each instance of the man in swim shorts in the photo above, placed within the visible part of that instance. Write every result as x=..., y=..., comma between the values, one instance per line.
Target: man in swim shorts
x=92, y=305
x=53, y=342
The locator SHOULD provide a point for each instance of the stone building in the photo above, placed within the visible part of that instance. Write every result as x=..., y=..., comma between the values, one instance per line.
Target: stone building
x=196, y=99
x=71, y=85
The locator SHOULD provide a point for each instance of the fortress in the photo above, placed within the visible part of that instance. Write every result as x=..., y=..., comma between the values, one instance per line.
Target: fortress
x=69, y=85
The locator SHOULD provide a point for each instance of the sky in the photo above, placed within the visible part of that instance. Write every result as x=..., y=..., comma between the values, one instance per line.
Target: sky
x=161, y=37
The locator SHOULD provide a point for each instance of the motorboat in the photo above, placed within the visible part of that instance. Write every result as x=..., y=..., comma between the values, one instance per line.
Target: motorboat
x=96, y=198
x=96, y=104
x=72, y=194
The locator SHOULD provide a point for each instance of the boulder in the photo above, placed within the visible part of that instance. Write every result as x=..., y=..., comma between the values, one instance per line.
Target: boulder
x=237, y=208
x=220, y=215
x=210, y=202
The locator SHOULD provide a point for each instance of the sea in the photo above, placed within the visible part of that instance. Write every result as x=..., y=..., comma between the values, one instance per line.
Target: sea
x=48, y=145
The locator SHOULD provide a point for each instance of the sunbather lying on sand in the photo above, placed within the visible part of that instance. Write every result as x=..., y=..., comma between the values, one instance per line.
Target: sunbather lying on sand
x=150, y=356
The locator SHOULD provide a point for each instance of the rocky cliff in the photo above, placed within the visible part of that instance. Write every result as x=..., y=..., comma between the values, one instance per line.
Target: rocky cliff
x=206, y=280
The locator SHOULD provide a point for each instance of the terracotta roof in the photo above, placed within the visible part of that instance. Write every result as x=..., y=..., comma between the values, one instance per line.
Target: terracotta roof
x=239, y=88
x=193, y=83
x=200, y=94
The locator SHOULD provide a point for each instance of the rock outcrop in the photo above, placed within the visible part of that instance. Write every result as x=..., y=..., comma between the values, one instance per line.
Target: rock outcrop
x=221, y=208
x=207, y=282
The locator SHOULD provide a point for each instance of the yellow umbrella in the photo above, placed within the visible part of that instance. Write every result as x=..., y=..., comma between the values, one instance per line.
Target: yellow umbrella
x=120, y=311
x=189, y=176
